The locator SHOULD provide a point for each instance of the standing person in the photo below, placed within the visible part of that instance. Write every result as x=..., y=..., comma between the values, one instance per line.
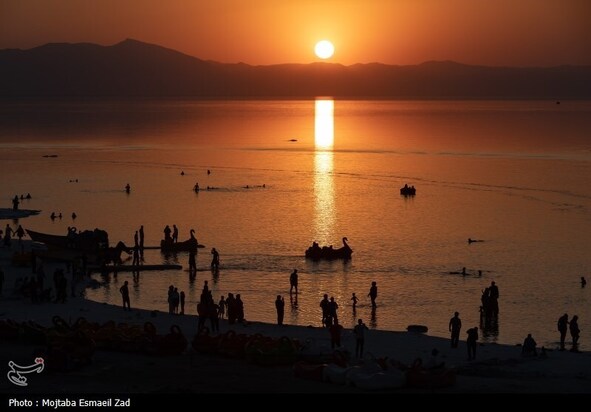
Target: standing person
x=167, y=232
x=494, y=296
x=176, y=298
x=280, y=306
x=574, y=332
x=124, y=290
x=20, y=232
x=373, y=294
x=335, y=334
x=359, y=331
x=324, y=306
x=583, y=281
x=8, y=232
x=136, y=241
x=471, y=342
x=192, y=264
x=175, y=234
x=562, y=328
x=455, y=324
x=222, y=307
x=215, y=260
x=293, y=281
x=355, y=299
x=332, y=311
x=15, y=202
x=182, y=297
x=239, y=308
x=141, y=235
x=170, y=299
x=136, y=256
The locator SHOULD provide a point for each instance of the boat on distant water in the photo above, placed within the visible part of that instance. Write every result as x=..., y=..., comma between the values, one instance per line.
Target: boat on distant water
x=191, y=244
x=88, y=240
x=408, y=190
x=315, y=252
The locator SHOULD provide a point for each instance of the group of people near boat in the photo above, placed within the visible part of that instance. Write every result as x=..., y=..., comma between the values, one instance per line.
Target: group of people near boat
x=9, y=232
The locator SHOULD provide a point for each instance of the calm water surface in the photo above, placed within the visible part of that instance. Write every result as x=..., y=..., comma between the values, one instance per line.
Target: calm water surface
x=515, y=174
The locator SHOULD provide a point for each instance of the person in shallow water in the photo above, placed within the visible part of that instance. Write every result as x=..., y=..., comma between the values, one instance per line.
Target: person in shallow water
x=293, y=281
x=215, y=260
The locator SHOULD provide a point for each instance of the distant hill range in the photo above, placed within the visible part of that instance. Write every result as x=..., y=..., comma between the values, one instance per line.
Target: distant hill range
x=135, y=69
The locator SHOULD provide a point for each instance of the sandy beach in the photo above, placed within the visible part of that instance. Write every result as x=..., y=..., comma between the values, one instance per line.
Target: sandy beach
x=497, y=368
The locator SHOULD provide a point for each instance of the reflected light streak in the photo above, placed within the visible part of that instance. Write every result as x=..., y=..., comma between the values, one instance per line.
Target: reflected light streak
x=324, y=124
x=323, y=167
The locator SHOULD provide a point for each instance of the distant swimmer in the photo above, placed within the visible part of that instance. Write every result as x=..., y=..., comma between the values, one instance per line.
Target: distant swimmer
x=196, y=187
x=74, y=215
x=182, y=172
x=208, y=172
x=463, y=272
x=52, y=217
x=583, y=281
x=127, y=188
x=474, y=240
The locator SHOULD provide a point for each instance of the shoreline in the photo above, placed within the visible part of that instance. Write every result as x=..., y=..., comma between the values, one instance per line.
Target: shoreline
x=497, y=368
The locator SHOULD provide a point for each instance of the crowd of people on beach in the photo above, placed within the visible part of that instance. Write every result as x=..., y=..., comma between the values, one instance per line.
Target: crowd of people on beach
x=36, y=289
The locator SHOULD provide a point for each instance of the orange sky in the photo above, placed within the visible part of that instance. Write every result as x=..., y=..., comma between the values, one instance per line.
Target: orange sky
x=488, y=32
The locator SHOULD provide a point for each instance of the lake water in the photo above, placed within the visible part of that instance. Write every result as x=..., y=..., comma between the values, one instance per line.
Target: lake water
x=514, y=174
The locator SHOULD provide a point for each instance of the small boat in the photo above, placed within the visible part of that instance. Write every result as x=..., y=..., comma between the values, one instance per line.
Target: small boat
x=315, y=252
x=191, y=244
x=88, y=240
x=408, y=190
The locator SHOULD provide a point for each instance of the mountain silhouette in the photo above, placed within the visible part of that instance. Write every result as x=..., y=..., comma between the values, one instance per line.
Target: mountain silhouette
x=135, y=69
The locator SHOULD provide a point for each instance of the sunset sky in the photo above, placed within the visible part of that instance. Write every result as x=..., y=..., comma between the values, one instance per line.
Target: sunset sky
x=487, y=32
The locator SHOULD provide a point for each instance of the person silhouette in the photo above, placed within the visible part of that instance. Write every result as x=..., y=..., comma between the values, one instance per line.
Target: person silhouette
x=293, y=281
x=280, y=306
x=583, y=281
x=332, y=311
x=471, y=342
x=192, y=263
x=175, y=234
x=324, y=307
x=15, y=202
x=373, y=294
x=455, y=325
x=335, y=331
x=182, y=299
x=124, y=290
x=141, y=238
x=127, y=188
x=562, y=326
x=167, y=232
x=354, y=299
x=574, y=332
x=529, y=346
x=20, y=232
x=215, y=260
x=359, y=331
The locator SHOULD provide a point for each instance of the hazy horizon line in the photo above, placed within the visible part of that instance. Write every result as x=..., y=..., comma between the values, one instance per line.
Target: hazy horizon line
x=327, y=62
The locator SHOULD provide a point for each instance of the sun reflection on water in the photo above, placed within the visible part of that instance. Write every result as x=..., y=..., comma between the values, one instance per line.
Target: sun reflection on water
x=323, y=168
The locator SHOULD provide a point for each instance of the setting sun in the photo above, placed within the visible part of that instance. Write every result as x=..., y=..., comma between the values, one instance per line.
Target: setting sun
x=324, y=49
